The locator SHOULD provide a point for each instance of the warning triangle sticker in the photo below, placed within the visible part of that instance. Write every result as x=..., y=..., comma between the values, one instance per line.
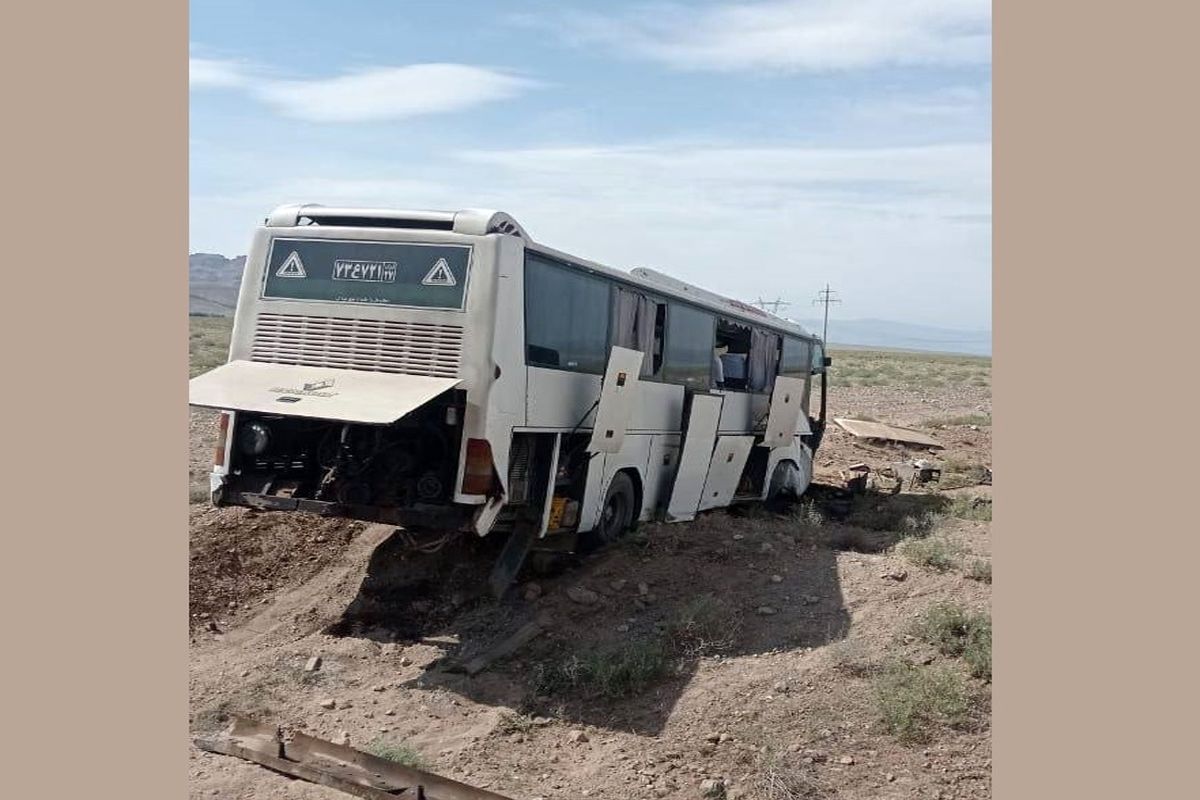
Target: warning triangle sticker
x=292, y=267
x=440, y=275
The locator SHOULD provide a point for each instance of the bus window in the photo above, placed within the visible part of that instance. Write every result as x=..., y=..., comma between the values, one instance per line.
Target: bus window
x=818, y=357
x=566, y=317
x=638, y=326
x=690, y=342
x=733, y=348
x=797, y=359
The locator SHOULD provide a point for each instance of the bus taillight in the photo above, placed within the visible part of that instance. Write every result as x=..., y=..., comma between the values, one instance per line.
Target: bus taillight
x=478, y=472
x=222, y=439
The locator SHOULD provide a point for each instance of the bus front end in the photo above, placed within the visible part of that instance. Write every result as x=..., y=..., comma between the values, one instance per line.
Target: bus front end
x=360, y=366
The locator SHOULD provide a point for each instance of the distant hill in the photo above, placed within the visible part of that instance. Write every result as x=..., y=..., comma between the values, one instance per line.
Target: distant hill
x=213, y=283
x=903, y=336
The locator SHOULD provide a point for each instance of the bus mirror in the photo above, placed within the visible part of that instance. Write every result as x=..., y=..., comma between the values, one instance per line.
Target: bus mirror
x=825, y=362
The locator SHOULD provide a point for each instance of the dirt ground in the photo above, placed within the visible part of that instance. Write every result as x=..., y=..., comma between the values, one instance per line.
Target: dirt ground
x=773, y=690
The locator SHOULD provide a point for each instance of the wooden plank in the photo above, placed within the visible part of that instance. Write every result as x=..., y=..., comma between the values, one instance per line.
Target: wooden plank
x=879, y=430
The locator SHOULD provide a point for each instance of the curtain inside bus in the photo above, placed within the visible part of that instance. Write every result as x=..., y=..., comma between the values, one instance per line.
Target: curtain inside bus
x=764, y=360
x=635, y=325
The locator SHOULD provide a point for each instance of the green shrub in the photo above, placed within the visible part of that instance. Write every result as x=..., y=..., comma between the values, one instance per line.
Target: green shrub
x=399, y=752
x=955, y=631
x=935, y=552
x=914, y=701
x=611, y=672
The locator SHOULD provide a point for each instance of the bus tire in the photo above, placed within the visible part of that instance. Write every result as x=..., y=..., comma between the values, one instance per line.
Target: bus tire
x=783, y=480
x=616, y=514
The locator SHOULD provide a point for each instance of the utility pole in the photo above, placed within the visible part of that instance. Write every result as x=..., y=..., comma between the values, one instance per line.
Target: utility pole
x=826, y=296
x=772, y=305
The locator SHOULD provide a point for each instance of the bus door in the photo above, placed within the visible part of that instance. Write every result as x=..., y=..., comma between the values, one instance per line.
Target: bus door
x=618, y=394
x=786, y=417
x=695, y=456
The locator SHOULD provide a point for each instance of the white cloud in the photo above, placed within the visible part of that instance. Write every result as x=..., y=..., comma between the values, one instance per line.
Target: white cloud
x=377, y=93
x=392, y=92
x=216, y=73
x=797, y=35
x=902, y=232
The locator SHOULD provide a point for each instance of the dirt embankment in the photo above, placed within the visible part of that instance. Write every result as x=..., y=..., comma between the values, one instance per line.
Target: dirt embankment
x=745, y=650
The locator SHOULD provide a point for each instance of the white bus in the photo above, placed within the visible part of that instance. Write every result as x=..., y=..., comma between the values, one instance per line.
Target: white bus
x=443, y=372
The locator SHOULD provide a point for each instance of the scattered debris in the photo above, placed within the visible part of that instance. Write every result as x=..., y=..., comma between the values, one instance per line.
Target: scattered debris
x=855, y=477
x=313, y=664
x=863, y=429
x=917, y=472
x=335, y=764
x=582, y=595
x=328, y=702
x=577, y=736
x=847, y=760
x=712, y=787
x=895, y=575
x=766, y=611
x=506, y=647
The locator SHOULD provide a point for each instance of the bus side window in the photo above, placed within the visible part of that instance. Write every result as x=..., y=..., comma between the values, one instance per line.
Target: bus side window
x=566, y=317
x=638, y=326
x=691, y=338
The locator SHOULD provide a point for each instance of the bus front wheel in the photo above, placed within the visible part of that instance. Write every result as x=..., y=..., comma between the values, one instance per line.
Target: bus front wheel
x=616, y=515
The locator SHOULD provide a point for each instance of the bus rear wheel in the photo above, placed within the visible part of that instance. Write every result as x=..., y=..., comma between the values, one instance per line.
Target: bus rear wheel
x=616, y=515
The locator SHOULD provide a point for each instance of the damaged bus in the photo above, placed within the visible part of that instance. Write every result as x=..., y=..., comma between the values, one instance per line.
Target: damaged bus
x=443, y=372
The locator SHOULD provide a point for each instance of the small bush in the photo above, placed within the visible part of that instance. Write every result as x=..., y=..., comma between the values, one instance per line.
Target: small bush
x=614, y=672
x=511, y=722
x=777, y=779
x=954, y=631
x=978, y=509
x=979, y=570
x=703, y=626
x=935, y=552
x=399, y=753
x=913, y=701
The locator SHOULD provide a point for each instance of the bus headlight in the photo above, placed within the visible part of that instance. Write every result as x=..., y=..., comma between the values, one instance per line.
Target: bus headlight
x=254, y=438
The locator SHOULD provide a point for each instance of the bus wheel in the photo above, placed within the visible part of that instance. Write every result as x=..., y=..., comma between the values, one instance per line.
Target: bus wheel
x=616, y=515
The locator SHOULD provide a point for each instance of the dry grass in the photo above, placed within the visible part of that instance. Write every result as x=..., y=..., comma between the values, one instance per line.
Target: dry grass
x=613, y=672
x=909, y=370
x=398, y=752
x=914, y=702
x=955, y=631
x=703, y=626
x=979, y=570
x=777, y=779
x=208, y=343
x=936, y=552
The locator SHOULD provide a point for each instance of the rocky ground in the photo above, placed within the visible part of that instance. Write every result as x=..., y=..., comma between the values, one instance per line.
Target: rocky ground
x=747, y=654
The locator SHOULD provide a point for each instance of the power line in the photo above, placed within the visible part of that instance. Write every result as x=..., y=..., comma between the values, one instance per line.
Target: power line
x=826, y=296
x=772, y=305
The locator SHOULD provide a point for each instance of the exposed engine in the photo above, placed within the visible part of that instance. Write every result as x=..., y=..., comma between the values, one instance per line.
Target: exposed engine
x=409, y=463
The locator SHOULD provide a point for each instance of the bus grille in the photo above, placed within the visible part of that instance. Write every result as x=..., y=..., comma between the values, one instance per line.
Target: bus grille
x=411, y=348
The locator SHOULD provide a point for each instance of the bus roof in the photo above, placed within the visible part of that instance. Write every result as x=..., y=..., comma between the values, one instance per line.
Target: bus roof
x=480, y=222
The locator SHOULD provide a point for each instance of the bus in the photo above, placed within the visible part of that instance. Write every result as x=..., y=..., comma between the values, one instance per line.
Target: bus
x=445, y=373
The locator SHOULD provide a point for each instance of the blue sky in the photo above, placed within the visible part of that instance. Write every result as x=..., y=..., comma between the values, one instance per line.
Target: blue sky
x=755, y=148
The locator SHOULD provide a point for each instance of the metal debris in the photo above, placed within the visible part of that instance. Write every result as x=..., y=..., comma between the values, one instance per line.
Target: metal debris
x=865, y=429
x=917, y=472
x=334, y=765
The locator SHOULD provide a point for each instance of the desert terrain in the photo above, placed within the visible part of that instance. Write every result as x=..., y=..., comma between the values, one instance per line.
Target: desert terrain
x=838, y=647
